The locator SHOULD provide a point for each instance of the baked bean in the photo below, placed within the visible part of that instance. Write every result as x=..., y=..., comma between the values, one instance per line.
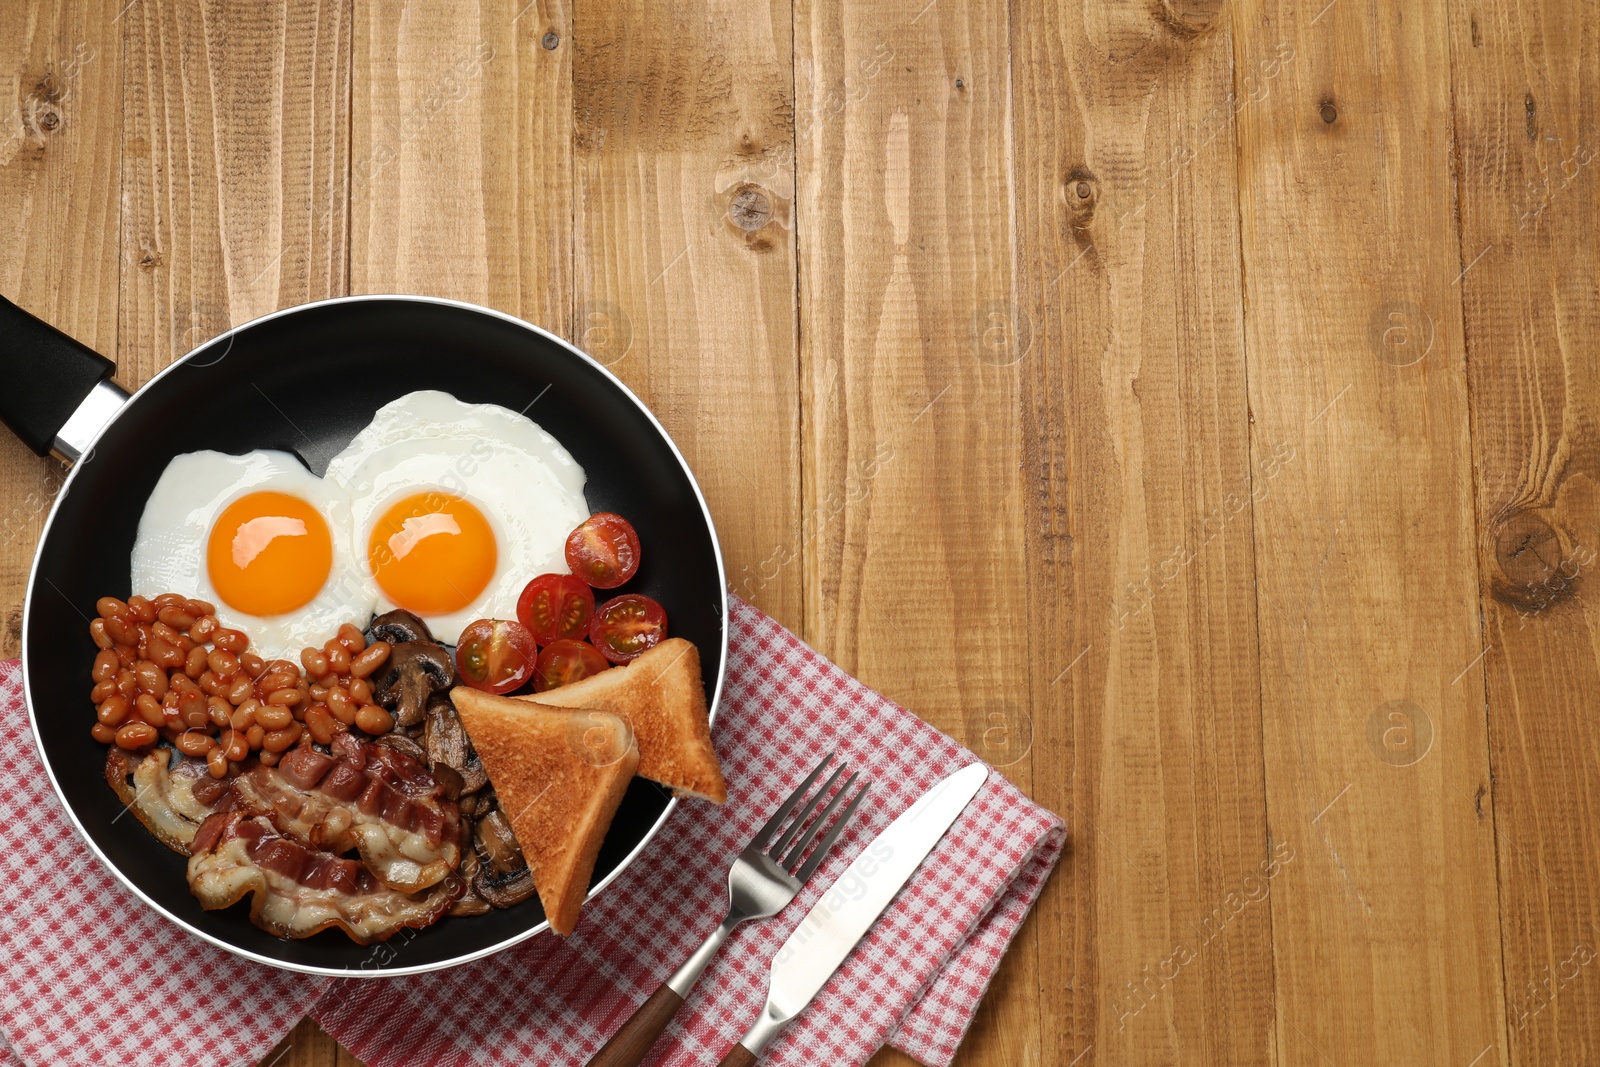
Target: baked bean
x=197, y=721
x=344, y=710
x=193, y=743
x=361, y=690
x=319, y=724
x=235, y=744
x=102, y=733
x=338, y=658
x=315, y=663
x=194, y=664
x=276, y=678
x=274, y=717
x=169, y=600
x=112, y=710
x=222, y=663
x=252, y=664
x=176, y=618
x=240, y=689
x=242, y=718
x=285, y=698
x=370, y=660
x=165, y=654
x=351, y=638
x=234, y=641
x=204, y=627
x=149, y=709
x=136, y=735
x=109, y=607
x=217, y=762
x=152, y=679
x=268, y=759
x=185, y=684
x=105, y=667
x=142, y=608
x=279, y=740
x=190, y=702
x=211, y=685
x=123, y=631
x=97, y=631
x=101, y=691
x=374, y=720
x=128, y=684
x=254, y=736
x=199, y=607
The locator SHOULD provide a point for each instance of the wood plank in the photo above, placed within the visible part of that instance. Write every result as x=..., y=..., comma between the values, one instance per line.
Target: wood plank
x=234, y=164
x=1155, y=938
x=913, y=549
x=461, y=146
x=685, y=255
x=1525, y=76
x=60, y=142
x=1384, y=928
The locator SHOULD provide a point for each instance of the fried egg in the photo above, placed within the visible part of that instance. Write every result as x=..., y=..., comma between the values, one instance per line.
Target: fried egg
x=457, y=506
x=265, y=540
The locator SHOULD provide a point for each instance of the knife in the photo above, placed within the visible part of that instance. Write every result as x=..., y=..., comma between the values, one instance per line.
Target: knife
x=839, y=918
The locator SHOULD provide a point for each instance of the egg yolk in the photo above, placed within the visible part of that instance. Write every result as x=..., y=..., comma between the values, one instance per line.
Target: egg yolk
x=269, y=553
x=432, y=553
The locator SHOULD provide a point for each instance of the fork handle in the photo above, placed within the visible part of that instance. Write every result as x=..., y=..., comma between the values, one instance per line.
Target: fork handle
x=629, y=1045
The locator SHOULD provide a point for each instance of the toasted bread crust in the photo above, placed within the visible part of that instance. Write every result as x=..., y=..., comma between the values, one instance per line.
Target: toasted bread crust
x=662, y=695
x=560, y=777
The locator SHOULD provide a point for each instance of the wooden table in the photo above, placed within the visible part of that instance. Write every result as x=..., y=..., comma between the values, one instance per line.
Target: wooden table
x=1191, y=407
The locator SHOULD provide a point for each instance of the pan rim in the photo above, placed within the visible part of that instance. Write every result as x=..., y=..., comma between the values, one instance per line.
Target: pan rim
x=33, y=576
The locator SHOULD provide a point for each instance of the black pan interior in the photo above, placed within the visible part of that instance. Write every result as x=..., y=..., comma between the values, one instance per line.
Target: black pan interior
x=307, y=382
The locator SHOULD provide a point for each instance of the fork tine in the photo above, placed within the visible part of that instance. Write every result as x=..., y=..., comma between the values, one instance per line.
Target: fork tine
x=788, y=805
x=805, y=813
x=791, y=859
x=821, y=851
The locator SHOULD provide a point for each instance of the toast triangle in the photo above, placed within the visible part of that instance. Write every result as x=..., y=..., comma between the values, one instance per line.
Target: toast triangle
x=662, y=696
x=560, y=778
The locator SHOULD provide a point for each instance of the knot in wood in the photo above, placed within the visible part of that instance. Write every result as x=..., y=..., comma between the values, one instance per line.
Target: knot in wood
x=750, y=208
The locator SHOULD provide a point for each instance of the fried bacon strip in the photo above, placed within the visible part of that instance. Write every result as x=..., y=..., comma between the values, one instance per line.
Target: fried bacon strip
x=367, y=797
x=168, y=792
x=298, y=891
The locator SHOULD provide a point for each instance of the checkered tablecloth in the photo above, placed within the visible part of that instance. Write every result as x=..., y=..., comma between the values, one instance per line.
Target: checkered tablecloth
x=88, y=975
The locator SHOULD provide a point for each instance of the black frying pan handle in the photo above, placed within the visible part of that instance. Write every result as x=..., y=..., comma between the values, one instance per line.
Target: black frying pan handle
x=44, y=376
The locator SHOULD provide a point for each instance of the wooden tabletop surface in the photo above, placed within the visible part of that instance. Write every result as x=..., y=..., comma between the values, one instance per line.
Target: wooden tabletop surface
x=1189, y=406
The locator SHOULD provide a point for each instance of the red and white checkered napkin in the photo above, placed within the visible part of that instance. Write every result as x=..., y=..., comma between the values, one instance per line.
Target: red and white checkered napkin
x=914, y=982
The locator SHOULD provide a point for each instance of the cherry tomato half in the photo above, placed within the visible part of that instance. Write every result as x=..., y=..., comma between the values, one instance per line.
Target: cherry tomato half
x=603, y=550
x=566, y=662
x=624, y=627
x=495, y=655
x=556, y=606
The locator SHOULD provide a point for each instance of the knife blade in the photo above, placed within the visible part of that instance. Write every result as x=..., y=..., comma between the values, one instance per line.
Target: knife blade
x=849, y=907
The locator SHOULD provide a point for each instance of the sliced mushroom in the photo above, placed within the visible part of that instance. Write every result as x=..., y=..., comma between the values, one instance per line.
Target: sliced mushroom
x=497, y=844
x=404, y=745
x=503, y=890
x=447, y=744
x=417, y=670
x=469, y=903
x=399, y=626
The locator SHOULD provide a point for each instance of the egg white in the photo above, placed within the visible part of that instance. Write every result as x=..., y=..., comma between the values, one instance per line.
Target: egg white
x=169, y=551
x=527, y=486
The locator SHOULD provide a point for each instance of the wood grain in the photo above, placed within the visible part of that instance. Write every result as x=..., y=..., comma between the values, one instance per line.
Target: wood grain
x=460, y=181
x=235, y=148
x=1384, y=926
x=685, y=255
x=1141, y=487
x=60, y=146
x=1525, y=78
x=911, y=362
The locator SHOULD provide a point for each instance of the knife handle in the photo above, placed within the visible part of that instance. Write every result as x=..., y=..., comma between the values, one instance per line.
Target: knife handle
x=629, y=1045
x=738, y=1056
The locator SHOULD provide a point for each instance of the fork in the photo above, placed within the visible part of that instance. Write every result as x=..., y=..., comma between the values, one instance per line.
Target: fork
x=762, y=881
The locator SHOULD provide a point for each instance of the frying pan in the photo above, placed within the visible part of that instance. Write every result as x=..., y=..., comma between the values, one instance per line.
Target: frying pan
x=306, y=380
